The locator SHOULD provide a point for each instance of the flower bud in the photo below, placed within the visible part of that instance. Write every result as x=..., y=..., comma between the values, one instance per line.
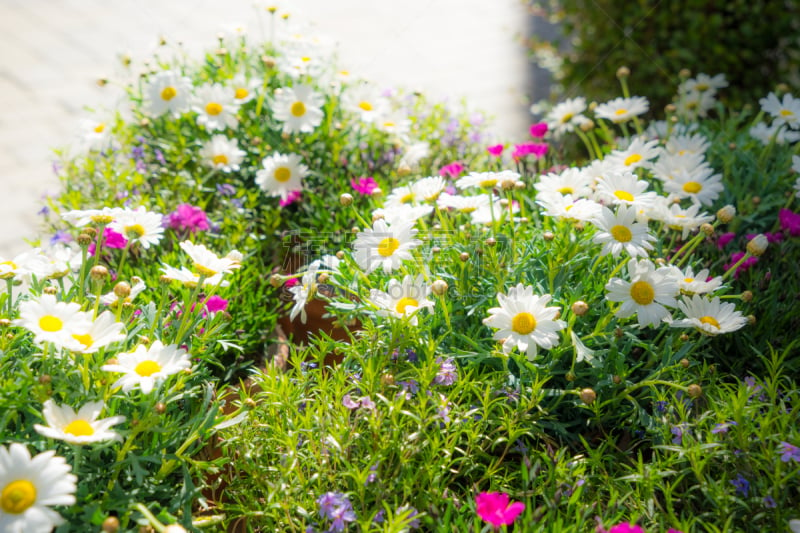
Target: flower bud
x=4, y=322
x=174, y=528
x=588, y=396
x=98, y=273
x=340, y=254
x=161, y=408
x=45, y=379
x=570, y=376
x=695, y=390
x=707, y=228
x=685, y=363
x=587, y=125
x=464, y=256
x=403, y=170
x=346, y=199
x=377, y=216
x=84, y=240
x=670, y=108
x=377, y=191
x=519, y=185
x=144, y=122
x=685, y=73
x=110, y=525
x=50, y=290
x=548, y=236
x=439, y=287
x=436, y=249
x=91, y=232
x=122, y=290
x=684, y=337
x=726, y=214
x=269, y=62
x=751, y=319
x=491, y=241
x=276, y=280
x=387, y=379
x=580, y=308
x=616, y=379
x=623, y=72
x=757, y=245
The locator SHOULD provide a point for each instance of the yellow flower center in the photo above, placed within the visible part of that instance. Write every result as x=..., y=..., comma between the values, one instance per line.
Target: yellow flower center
x=365, y=106
x=204, y=270
x=168, y=93
x=407, y=198
x=621, y=233
x=624, y=195
x=631, y=159
x=389, y=124
x=566, y=190
x=404, y=302
x=642, y=293
x=213, y=108
x=523, y=323
x=10, y=264
x=241, y=93
x=786, y=113
x=135, y=231
x=305, y=59
x=710, y=320
x=388, y=246
x=220, y=159
x=282, y=174
x=17, y=496
x=99, y=128
x=567, y=117
x=85, y=339
x=101, y=219
x=79, y=428
x=619, y=112
x=147, y=368
x=469, y=209
x=488, y=183
x=688, y=280
x=298, y=109
x=51, y=323
x=692, y=187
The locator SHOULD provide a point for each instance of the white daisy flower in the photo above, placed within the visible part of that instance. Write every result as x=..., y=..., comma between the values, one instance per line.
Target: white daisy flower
x=701, y=186
x=59, y=260
x=168, y=92
x=661, y=129
x=638, y=154
x=53, y=321
x=524, y=320
x=84, y=217
x=137, y=286
x=222, y=153
x=624, y=188
x=326, y=263
x=778, y=133
x=299, y=108
x=23, y=265
x=687, y=144
x=567, y=207
x=281, y=174
x=683, y=219
x=103, y=331
x=394, y=123
x=206, y=262
x=622, y=109
x=710, y=317
x=488, y=180
x=216, y=107
x=94, y=134
x=492, y=211
x=462, y=204
x=691, y=283
x=414, y=153
x=785, y=111
x=403, y=299
x=428, y=189
x=566, y=115
x=29, y=486
x=243, y=89
x=139, y=225
x=572, y=181
x=703, y=83
x=385, y=245
x=146, y=367
x=670, y=165
x=796, y=170
x=191, y=279
x=302, y=292
x=303, y=56
x=620, y=231
x=402, y=195
x=77, y=427
x=403, y=214
x=694, y=104
x=366, y=102
x=648, y=293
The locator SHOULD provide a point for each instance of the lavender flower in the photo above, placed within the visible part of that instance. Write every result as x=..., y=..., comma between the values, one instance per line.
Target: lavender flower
x=741, y=484
x=447, y=374
x=789, y=452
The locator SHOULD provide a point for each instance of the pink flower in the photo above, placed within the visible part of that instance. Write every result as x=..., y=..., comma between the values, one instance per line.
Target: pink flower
x=538, y=130
x=538, y=150
x=291, y=282
x=790, y=222
x=215, y=303
x=493, y=507
x=626, y=528
x=111, y=239
x=735, y=257
x=495, y=150
x=291, y=198
x=364, y=185
x=188, y=217
x=724, y=239
x=452, y=170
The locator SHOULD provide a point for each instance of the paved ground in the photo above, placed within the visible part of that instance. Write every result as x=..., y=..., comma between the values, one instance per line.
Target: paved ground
x=53, y=51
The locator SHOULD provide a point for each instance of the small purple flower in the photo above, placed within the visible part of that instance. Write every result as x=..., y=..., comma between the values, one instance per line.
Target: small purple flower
x=380, y=516
x=340, y=518
x=677, y=432
x=661, y=406
x=226, y=189
x=61, y=236
x=722, y=427
x=367, y=403
x=330, y=501
x=372, y=476
x=447, y=374
x=741, y=484
x=351, y=404
x=769, y=502
x=789, y=452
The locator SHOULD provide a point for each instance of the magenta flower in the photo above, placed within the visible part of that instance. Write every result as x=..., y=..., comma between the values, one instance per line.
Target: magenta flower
x=189, y=218
x=724, y=239
x=790, y=222
x=494, y=508
x=496, y=150
x=626, y=528
x=215, y=303
x=453, y=170
x=111, y=239
x=364, y=186
x=538, y=150
x=291, y=197
x=735, y=257
x=538, y=130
